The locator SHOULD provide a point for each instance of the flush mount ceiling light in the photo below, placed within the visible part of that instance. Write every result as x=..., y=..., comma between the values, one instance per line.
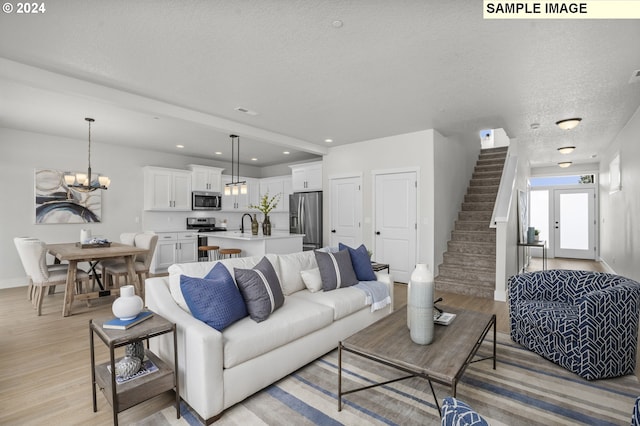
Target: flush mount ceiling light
x=246, y=111
x=328, y=140
x=235, y=186
x=565, y=164
x=566, y=149
x=569, y=123
x=86, y=182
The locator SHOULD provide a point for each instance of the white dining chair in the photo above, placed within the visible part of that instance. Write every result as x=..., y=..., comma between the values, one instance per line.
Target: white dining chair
x=33, y=255
x=127, y=238
x=114, y=269
x=50, y=266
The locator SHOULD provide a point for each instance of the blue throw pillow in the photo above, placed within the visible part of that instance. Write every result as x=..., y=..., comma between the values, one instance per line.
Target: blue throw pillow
x=361, y=262
x=214, y=299
x=456, y=413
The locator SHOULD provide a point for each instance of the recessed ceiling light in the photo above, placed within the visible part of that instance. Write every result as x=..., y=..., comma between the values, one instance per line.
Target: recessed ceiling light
x=565, y=164
x=180, y=146
x=569, y=123
x=337, y=23
x=286, y=152
x=218, y=153
x=328, y=140
x=245, y=110
x=254, y=159
x=535, y=126
x=566, y=149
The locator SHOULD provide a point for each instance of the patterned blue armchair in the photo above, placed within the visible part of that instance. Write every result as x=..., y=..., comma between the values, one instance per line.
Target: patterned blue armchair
x=587, y=322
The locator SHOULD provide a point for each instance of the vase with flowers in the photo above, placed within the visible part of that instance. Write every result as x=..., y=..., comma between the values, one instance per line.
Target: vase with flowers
x=266, y=205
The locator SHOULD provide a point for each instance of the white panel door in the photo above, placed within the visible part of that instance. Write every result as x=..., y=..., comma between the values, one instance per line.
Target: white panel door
x=395, y=223
x=346, y=212
x=574, y=223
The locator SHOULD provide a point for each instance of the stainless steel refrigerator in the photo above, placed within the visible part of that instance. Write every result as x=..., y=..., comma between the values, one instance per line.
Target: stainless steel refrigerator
x=305, y=217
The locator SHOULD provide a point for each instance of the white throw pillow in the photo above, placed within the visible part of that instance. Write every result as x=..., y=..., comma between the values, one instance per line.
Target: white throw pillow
x=290, y=266
x=312, y=279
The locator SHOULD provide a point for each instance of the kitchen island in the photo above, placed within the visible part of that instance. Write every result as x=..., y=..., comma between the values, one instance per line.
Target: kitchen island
x=256, y=245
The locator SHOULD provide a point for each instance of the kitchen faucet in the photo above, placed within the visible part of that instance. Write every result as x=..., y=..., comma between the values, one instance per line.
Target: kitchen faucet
x=242, y=222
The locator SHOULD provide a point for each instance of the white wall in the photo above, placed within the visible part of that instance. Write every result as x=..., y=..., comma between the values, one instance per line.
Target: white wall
x=620, y=211
x=442, y=185
x=122, y=204
x=453, y=169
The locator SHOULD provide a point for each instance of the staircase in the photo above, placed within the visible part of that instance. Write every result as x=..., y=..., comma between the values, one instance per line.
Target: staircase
x=469, y=264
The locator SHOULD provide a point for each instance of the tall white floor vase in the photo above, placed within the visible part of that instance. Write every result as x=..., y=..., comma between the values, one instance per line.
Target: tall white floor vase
x=420, y=305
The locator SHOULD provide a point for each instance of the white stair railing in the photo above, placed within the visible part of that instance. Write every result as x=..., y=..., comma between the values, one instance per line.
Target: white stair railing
x=500, y=220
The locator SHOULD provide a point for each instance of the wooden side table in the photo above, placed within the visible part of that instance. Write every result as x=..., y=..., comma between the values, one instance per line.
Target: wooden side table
x=126, y=395
x=377, y=267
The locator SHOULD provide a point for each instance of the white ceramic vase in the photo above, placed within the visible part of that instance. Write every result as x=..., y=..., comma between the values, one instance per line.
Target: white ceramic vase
x=128, y=305
x=420, y=305
x=85, y=236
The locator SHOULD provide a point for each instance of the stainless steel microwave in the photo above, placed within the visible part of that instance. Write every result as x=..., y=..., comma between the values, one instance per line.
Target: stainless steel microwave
x=205, y=200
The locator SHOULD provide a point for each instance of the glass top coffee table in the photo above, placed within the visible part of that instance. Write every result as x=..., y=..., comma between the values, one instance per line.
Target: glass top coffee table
x=444, y=361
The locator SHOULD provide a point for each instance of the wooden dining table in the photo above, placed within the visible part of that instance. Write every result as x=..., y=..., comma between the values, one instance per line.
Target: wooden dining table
x=74, y=253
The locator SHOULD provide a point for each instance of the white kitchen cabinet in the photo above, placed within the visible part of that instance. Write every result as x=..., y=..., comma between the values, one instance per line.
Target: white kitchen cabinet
x=306, y=177
x=277, y=185
x=167, y=189
x=240, y=202
x=174, y=247
x=187, y=249
x=205, y=178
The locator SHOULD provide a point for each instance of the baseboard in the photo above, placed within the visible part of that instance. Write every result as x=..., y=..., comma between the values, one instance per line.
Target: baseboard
x=13, y=282
x=606, y=266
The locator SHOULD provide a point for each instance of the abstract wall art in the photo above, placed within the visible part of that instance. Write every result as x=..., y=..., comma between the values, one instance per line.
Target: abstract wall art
x=57, y=204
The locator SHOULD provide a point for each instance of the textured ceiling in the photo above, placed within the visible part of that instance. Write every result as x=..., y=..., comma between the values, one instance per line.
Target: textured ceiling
x=157, y=73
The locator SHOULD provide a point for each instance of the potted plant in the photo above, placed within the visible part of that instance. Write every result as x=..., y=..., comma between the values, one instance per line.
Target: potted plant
x=536, y=235
x=265, y=206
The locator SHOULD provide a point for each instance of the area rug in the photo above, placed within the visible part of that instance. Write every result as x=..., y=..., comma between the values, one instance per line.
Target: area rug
x=525, y=389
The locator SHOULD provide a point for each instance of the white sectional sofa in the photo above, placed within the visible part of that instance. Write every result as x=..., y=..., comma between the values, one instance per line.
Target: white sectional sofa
x=219, y=369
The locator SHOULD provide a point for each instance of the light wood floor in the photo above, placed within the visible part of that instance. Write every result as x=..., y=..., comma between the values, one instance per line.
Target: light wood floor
x=45, y=373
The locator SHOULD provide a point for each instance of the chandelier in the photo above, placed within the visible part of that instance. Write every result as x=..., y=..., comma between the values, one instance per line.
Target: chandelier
x=235, y=187
x=85, y=182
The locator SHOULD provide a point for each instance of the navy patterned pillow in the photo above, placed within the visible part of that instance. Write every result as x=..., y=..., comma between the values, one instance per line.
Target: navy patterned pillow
x=260, y=288
x=336, y=270
x=457, y=413
x=215, y=299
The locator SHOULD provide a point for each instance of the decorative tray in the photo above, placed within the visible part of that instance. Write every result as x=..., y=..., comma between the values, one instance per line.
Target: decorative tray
x=93, y=245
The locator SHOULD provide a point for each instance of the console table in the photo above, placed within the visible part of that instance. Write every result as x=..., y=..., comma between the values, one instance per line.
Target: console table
x=523, y=246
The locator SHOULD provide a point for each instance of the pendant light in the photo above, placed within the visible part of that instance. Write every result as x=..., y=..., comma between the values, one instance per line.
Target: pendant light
x=236, y=186
x=85, y=182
